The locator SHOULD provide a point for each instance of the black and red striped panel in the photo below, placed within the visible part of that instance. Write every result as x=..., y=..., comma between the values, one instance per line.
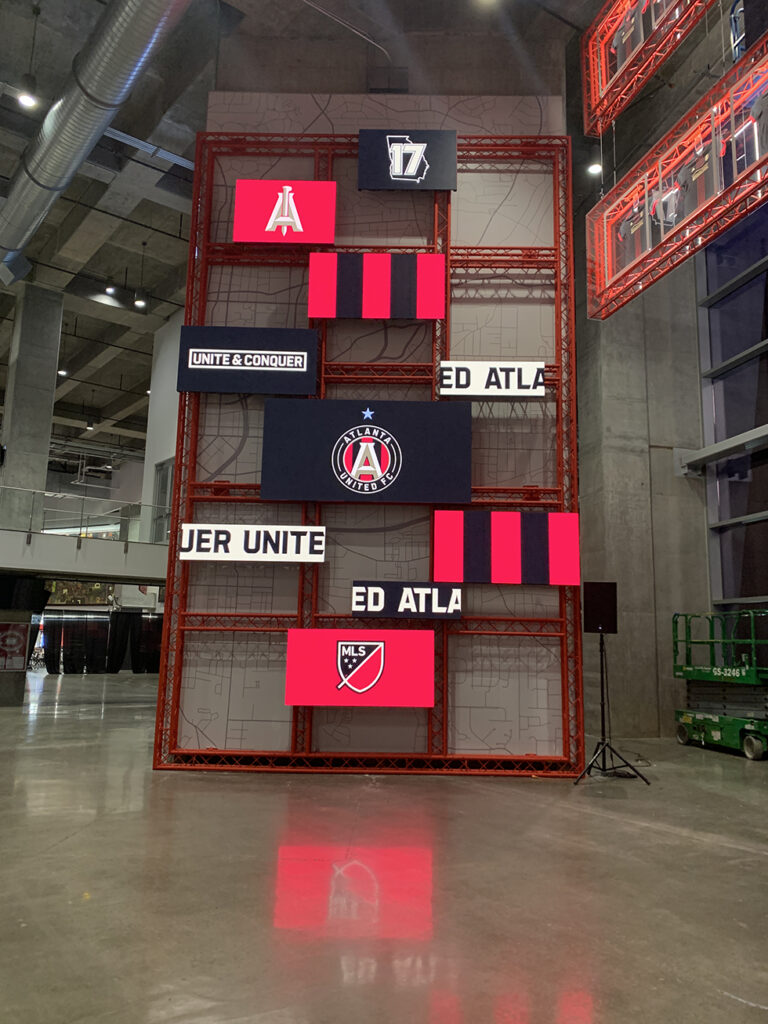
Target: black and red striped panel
x=377, y=285
x=507, y=547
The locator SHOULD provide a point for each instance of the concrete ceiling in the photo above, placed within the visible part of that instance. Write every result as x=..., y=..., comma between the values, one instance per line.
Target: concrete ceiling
x=126, y=215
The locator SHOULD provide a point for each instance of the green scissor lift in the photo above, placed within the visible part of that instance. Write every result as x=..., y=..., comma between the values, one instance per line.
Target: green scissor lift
x=723, y=658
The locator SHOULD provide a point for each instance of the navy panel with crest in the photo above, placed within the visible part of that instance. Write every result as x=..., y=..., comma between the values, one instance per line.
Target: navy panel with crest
x=366, y=451
x=248, y=360
x=400, y=159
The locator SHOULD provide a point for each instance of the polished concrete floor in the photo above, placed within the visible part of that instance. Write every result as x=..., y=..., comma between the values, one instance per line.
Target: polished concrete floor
x=202, y=898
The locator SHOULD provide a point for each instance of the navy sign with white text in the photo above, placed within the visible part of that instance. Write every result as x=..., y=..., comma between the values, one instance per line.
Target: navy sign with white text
x=406, y=159
x=248, y=360
x=366, y=451
x=405, y=600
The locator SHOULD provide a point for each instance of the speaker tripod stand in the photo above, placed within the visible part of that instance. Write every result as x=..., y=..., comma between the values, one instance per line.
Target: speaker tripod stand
x=599, y=760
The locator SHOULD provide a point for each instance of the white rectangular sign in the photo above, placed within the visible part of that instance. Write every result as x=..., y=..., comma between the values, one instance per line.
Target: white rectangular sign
x=219, y=542
x=520, y=379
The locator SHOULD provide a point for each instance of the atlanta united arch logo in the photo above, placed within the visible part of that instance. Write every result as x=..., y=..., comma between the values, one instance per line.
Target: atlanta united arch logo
x=366, y=459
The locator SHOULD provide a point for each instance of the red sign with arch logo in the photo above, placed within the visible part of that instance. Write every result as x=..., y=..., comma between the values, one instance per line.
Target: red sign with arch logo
x=379, y=668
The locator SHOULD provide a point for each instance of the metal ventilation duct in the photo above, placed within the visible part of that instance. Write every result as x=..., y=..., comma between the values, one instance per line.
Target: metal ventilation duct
x=103, y=74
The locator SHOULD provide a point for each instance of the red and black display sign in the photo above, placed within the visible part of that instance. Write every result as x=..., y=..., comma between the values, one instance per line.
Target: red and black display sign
x=248, y=360
x=366, y=451
x=410, y=160
x=507, y=547
x=381, y=668
x=285, y=212
x=377, y=285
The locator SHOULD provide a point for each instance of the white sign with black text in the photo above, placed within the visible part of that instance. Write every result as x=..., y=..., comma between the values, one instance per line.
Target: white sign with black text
x=519, y=379
x=220, y=542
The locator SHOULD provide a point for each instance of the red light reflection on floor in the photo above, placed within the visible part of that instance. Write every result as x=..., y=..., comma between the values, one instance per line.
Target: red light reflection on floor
x=444, y=1008
x=355, y=892
x=575, y=1007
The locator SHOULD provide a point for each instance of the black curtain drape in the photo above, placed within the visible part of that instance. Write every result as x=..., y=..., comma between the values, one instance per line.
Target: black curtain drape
x=52, y=642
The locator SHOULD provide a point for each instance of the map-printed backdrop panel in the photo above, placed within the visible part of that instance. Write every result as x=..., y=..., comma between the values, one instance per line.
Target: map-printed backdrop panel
x=505, y=694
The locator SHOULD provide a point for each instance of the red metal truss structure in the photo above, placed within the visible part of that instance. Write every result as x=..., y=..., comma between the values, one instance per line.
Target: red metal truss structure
x=518, y=272
x=706, y=174
x=607, y=88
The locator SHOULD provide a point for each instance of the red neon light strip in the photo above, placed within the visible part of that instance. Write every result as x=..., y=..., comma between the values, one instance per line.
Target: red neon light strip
x=430, y=286
x=564, y=567
x=448, y=547
x=506, y=562
x=377, y=284
x=322, y=284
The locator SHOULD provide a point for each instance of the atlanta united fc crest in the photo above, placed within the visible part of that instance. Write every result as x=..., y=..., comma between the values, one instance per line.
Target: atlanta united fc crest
x=366, y=458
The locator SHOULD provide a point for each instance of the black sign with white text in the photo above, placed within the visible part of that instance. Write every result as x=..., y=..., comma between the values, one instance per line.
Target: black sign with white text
x=366, y=451
x=405, y=600
x=248, y=360
x=406, y=159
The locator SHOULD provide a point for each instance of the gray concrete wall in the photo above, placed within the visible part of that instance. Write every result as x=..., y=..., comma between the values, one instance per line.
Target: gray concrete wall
x=645, y=528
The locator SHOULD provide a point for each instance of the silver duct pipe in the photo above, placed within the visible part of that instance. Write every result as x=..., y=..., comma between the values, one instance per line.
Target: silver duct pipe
x=103, y=74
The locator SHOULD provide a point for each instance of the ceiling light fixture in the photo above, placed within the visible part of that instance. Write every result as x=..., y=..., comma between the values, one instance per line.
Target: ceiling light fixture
x=110, y=289
x=595, y=165
x=62, y=373
x=89, y=424
x=27, y=95
x=140, y=297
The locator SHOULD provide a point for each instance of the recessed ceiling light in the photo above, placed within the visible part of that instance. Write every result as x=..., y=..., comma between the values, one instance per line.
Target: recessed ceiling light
x=27, y=95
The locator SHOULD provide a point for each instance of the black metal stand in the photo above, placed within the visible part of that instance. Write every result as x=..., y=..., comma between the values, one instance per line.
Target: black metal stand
x=599, y=760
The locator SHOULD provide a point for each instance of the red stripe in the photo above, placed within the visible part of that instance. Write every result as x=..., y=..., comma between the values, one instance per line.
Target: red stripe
x=506, y=562
x=564, y=568
x=377, y=284
x=322, y=284
x=448, y=547
x=430, y=286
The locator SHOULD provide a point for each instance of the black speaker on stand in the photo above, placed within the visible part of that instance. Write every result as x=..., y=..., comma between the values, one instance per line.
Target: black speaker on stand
x=600, y=616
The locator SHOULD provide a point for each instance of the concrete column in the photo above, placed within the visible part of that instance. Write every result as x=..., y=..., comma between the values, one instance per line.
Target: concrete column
x=644, y=527
x=29, y=400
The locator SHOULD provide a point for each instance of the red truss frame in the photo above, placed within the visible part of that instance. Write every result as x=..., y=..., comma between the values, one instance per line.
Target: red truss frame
x=715, y=122
x=607, y=92
x=519, y=271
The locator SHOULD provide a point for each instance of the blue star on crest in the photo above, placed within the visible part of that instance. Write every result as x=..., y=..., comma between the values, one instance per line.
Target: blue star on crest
x=367, y=414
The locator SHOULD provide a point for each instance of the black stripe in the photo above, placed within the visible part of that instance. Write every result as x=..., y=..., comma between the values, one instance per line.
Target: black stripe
x=349, y=285
x=534, y=541
x=403, y=296
x=477, y=547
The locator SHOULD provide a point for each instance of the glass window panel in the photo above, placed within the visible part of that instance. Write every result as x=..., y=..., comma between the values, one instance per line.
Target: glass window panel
x=738, y=321
x=740, y=399
x=743, y=559
x=737, y=250
x=741, y=486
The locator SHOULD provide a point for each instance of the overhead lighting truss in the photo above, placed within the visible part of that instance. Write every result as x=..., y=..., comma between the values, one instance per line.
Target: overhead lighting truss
x=706, y=174
x=613, y=73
